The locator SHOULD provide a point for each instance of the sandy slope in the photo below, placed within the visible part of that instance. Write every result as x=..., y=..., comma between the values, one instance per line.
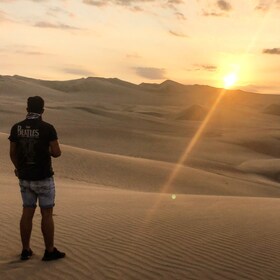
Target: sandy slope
x=117, y=234
x=115, y=217
x=140, y=174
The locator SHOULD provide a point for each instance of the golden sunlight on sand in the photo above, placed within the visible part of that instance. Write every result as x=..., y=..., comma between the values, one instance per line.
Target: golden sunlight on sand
x=155, y=181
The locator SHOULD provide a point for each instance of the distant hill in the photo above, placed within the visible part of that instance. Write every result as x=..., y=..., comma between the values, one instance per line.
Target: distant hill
x=115, y=91
x=153, y=121
x=105, y=84
x=166, y=86
x=82, y=84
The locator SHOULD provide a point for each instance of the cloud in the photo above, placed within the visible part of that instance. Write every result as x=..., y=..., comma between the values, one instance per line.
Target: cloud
x=22, y=49
x=55, y=11
x=133, y=55
x=98, y=3
x=266, y=5
x=4, y=17
x=209, y=67
x=173, y=3
x=29, y=52
x=202, y=67
x=224, y=5
x=177, y=34
x=180, y=16
x=151, y=72
x=137, y=9
x=221, y=9
x=77, y=71
x=101, y=3
x=205, y=67
x=139, y=5
x=45, y=24
x=262, y=6
x=132, y=5
x=272, y=51
x=212, y=14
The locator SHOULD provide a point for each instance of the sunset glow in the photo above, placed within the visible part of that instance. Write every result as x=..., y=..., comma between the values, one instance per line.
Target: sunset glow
x=191, y=42
x=230, y=80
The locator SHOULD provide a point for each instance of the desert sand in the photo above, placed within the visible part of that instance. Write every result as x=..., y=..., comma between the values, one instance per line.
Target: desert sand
x=116, y=216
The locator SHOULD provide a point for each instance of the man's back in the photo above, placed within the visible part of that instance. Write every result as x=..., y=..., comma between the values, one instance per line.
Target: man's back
x=32, y=137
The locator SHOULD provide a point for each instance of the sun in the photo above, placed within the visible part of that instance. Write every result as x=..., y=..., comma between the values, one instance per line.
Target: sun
x=230, y=80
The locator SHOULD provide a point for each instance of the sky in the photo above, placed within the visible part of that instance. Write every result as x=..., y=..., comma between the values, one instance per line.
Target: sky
x=188, y=41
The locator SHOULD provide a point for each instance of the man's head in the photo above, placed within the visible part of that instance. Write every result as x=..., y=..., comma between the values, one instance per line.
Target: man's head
x=35, y=104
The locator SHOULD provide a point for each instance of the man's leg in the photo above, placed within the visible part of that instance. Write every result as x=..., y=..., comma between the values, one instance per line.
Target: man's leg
x=46, y=202
x=47, y=226
x=26, y=226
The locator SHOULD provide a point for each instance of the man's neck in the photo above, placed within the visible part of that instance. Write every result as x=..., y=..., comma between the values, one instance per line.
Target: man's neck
x=33, y=116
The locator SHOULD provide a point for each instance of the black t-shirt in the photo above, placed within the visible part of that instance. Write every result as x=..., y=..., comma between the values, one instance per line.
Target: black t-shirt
x=32, y=138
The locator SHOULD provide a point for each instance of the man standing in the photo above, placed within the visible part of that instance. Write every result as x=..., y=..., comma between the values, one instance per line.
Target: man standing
x=32, y=143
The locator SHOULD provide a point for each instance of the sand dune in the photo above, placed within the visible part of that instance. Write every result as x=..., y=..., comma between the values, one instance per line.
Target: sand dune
x=267, y=167
x=273, y=109
x=195, y=113
x=115, y=216
x=117, y=234
x=132, y=173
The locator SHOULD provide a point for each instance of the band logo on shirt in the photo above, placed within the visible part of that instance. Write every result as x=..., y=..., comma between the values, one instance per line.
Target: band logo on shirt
x=27, y=132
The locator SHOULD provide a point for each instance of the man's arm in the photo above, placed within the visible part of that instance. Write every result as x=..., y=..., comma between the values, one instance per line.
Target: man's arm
x=55, y=149
x=13, y=148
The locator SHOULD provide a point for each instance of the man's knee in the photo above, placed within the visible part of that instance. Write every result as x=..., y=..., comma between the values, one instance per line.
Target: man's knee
x=28, y=212
x=46, y=213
